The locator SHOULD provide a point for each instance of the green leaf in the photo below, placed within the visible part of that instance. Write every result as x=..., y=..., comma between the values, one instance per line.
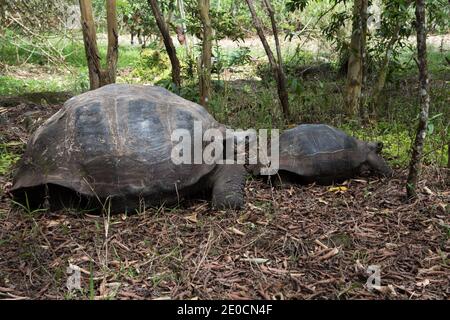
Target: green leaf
x=430, y=129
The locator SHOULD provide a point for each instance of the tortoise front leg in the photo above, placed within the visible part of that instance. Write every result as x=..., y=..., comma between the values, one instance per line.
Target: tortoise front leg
x=378, y=164
x=228, y=186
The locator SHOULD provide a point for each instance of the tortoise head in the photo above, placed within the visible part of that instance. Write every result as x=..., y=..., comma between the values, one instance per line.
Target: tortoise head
x=376, y=146
x=375, y=161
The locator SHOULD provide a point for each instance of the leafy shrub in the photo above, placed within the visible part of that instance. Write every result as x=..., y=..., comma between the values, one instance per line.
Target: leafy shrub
x=153, y=65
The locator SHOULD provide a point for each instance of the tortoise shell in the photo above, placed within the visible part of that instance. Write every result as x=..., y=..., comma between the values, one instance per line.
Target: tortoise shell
x=114, y=141
x=318, y=150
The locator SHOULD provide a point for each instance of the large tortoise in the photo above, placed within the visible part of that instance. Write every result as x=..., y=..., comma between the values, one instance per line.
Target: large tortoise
x=324, y=154
x=113, y=146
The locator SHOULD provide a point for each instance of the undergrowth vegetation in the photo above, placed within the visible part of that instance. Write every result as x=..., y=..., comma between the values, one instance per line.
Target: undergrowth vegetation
x=244, y=91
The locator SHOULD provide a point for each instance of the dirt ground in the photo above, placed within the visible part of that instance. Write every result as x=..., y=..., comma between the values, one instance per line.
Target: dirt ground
x=306, y=242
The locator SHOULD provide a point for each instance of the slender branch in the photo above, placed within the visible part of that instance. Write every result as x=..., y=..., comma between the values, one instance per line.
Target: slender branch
x=205, y=62
x=282, y=90
x=168, y=43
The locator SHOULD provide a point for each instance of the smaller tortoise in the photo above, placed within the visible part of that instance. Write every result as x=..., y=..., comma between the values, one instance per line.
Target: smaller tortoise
x=323, y=154
x=113, y=145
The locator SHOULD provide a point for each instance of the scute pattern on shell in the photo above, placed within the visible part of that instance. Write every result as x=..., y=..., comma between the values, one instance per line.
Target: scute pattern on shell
x=115, y=140
x=319, y=150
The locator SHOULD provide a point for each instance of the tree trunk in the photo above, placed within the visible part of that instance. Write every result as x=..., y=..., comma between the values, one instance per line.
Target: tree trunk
x=278, y=72
x=113, y=42
x=356, y=57
x=282, y=90
x=205, y=62
x=97, y=76
x=90, y=43
x=417, y=150
x=363, y=110
x=168, y=43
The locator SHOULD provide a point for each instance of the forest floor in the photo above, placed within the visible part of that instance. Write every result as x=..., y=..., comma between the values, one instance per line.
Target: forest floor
x=305, y=242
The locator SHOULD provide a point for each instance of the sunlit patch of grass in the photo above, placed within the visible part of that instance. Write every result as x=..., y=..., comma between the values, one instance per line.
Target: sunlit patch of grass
x=13, y=86
x=397, y=139
x=438, y=67
x=72, y=56
x=71, y=50
x=151, y=66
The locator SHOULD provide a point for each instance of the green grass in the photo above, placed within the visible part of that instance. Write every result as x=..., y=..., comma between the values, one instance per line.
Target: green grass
x=13, y=86
x=76, y=57
x=75, y=81
x=397, y=140
x=438, y=67
x=72, y=50
x=71, y=76
x=7, y=160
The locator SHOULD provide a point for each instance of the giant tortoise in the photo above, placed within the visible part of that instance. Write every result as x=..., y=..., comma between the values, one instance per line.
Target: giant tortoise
x=111, y=148
x=324, y=154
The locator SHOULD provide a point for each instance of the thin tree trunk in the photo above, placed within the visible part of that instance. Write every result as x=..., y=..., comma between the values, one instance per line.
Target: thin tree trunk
x=274, y=29
x=90, y=43
x=279, y=75
x=113, y=42
x=355, y=62
x=282, y=90
x=205, y=62
x=97, y=76
x=416, y=159
x=382, y=74
x=363, y=101
x=168, y=43
x=448, y=156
